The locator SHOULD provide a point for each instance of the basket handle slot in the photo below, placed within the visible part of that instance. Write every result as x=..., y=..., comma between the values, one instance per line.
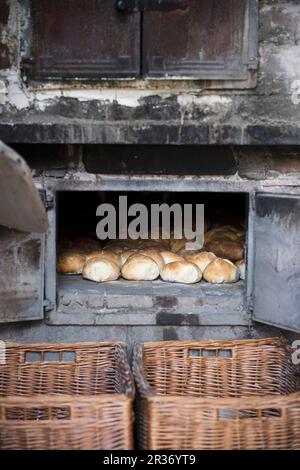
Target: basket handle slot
x=33, y=356
x=209, y=352
x=50, y=356
x=37, y=413
x=228, y=413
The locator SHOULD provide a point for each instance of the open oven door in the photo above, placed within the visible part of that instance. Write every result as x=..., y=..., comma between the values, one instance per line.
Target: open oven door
x=276, y=294
x=23, y=223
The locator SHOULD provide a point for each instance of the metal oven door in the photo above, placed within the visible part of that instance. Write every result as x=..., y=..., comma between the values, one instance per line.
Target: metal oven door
x=276, y=299
x=23, y=223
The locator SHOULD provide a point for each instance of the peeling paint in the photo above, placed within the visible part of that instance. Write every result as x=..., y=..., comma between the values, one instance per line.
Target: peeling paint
x=16, y=94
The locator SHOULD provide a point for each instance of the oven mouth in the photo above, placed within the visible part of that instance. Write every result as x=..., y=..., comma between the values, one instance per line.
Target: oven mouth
x=76, y=218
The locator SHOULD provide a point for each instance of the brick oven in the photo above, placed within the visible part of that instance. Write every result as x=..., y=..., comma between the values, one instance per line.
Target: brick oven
x=181, y=100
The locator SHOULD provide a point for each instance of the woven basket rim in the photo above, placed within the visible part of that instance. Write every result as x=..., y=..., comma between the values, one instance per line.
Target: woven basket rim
x=77, y=345
x=212, y=342
x=61, y=398
x=266, y=401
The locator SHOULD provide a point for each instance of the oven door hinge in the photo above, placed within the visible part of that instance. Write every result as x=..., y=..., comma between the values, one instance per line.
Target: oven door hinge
x=49, y=201
x=48, y=305
x=150, y=5
x=253, y=64
x=47, y=198
x=250, y=304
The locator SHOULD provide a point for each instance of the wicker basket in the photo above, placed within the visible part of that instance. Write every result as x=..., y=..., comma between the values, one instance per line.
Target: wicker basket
x=216, y=395
x=66, y=396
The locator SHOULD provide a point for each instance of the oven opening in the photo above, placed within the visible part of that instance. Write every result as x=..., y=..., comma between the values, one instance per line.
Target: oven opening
x=174, y=279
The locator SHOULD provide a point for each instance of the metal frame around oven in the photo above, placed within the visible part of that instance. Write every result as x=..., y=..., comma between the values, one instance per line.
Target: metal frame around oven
x=87, y=182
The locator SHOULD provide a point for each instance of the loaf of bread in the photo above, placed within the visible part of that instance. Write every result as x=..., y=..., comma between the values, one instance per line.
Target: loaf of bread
x=93, y=254
x=170, y=257
x=220, y=271
x=70, y=262
x=126, y=254
x=178, y=244
x=242, y=267
x=219, y=234
x=100, y=269
x=188, y=253
x=84, y=245
x=202, y=259
x=156, y=256
x=181, y=271
x=232, y=250
x=109, y=255
x=120, y=246
x=139, y=267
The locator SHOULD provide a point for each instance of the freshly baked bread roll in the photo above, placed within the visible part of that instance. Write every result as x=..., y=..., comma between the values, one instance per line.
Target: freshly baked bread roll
x=100, y=269
x=227, y=249
x=70, y=262
x=177, y=244
x=125, y=255
x=219, y=234
x=125, y=245
x=188, y=253
x=181, y=271
x=242, y=267
x=156, y=256
x=202, y=259
x=110, y=256
x=140, y=268
x=157, y=245
x=238, y=230
x=84, y=245
x=93, y=254
x=220, y=271
x=170, y=257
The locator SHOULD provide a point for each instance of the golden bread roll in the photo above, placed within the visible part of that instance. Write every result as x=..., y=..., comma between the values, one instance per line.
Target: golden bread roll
x=170, y=257
x=188, y=253
x=176, y=245
x=156, y=256
x=100, y=269
x=219, y=233
x=153, y=244
x=84, y=245
x=125, y=255
x=220, y=271
x=93, y=254
x=202, y=259
x=118, y=246
x=181, y=271
x=139, y=267
x=70, y=262
x=227, y=249
x=110, y=256
x=238, y=230
x=242, y=267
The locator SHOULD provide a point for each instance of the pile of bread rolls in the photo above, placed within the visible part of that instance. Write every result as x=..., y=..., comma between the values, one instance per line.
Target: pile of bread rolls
x=221, y=260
